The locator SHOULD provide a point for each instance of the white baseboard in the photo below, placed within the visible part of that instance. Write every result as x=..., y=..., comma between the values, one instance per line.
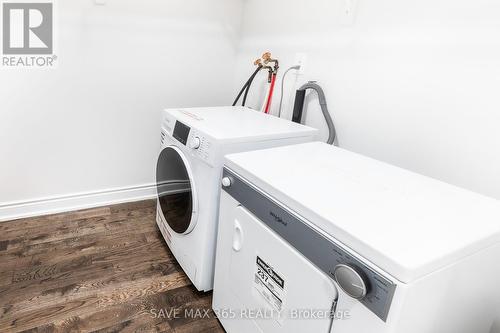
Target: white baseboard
x=53, y=205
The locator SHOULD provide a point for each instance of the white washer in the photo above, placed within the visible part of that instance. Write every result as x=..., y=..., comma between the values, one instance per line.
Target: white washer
x=194, y=142
x=323, y=228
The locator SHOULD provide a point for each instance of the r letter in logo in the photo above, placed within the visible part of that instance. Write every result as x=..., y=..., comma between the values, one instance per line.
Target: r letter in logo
x=27, y=28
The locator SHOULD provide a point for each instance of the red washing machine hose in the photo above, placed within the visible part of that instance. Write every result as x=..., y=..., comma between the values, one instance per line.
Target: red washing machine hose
x=271, y=91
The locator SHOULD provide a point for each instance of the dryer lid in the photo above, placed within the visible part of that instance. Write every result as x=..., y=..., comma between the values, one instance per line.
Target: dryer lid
x=406, y=224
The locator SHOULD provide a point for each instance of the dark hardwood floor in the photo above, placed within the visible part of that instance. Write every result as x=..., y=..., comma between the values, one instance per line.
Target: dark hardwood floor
x=97, y=270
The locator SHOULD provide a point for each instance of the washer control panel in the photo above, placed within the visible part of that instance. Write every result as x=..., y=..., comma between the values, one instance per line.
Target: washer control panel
x=198, y=144
x=201, y=147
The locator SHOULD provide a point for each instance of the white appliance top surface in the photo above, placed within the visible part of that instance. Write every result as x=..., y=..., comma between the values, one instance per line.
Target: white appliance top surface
x=238, y=123
x=406, y=224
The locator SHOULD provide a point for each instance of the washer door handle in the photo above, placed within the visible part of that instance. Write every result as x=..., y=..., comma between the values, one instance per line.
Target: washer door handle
x=237, y=236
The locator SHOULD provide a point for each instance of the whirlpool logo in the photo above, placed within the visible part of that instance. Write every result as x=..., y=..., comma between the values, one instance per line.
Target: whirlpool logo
x=277, y=218
x=28, y=34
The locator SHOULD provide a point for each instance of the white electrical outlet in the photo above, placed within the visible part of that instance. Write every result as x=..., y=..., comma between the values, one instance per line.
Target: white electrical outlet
x=100, y=2
x=300, y=60
x=348, y=11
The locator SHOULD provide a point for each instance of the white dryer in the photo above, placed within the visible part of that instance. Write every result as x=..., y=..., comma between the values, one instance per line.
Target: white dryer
x=324, y=230
x=194, y=142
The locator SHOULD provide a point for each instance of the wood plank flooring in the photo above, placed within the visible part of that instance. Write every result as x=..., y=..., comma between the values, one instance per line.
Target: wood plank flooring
x=97, y=270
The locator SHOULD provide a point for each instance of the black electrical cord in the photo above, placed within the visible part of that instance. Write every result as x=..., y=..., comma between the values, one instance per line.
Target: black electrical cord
x=246, y=94
x=250, y=84
x=246, y=87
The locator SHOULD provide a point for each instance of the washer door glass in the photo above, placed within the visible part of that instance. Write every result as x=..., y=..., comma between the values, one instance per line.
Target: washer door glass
x=174, y=188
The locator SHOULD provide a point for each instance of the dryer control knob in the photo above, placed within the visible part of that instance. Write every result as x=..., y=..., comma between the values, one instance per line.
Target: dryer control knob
x=351, y=282
x=195, y=143
x=226, y=182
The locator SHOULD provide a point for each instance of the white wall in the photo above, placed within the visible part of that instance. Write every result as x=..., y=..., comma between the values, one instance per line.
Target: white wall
x=92, y=124
x=413, y=83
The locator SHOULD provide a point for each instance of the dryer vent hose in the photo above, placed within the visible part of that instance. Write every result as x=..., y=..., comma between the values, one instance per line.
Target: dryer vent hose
x=299, y=108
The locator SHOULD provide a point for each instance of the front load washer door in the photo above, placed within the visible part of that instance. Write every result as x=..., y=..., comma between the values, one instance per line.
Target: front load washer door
x=175, y=188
